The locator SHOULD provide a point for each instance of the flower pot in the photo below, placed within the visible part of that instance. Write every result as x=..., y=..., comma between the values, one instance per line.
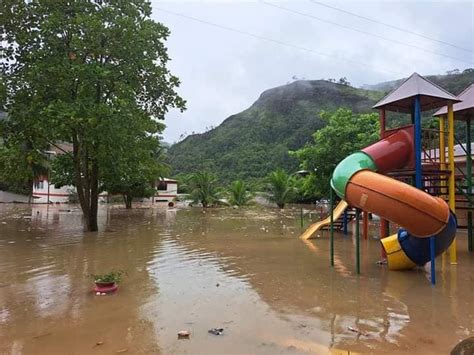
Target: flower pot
x=103, y=284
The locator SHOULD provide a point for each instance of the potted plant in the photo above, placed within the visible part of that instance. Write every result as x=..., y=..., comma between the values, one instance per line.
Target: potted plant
x=110, y=279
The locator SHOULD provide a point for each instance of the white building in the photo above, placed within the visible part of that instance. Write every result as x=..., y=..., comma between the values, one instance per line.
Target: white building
x=43, y=192
x=166, y=190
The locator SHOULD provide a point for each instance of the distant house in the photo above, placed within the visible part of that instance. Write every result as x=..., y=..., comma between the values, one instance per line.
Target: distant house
x=459, y=155
x=166, y=190
x=43, y=191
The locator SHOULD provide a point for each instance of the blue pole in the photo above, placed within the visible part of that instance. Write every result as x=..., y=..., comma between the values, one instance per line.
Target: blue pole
x=344, y=222
x=419, y=177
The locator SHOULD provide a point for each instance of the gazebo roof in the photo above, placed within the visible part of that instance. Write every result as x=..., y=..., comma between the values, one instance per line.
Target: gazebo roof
x=463, y=110
x=401, y=99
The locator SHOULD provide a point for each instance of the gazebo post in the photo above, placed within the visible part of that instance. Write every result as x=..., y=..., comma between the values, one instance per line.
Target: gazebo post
x=451, y=185
x=469, y=181
x=419, y=178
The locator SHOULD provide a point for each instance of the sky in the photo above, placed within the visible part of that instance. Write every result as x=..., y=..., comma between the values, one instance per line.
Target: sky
x=226, y=53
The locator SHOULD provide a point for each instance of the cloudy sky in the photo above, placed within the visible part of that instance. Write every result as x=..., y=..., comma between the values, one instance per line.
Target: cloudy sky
x=227, y=52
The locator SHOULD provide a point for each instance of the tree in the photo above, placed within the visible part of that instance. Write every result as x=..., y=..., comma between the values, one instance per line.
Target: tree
x=21, y=160
x=133, y=171
x=89, y=72
x=203, y=188
x=344, y=81
x=344, y=134
x=280, y=187
x=239, y=194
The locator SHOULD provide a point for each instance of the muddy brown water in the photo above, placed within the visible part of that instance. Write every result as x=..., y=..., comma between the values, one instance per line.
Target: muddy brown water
x=243, y=270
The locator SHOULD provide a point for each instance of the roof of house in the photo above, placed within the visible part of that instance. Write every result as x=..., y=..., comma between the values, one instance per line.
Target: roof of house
x=464, y=109
x=401, y=99
x=168, y=180
x=459, y=151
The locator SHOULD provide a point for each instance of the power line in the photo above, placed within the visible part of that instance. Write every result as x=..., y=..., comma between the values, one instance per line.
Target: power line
x=391, y=26
x=275, y=41
x=361, y=31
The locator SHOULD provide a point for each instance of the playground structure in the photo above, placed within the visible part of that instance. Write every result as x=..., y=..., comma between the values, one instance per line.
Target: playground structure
x=409, y=177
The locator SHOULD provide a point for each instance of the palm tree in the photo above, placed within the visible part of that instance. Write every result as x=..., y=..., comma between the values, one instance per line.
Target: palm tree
x=239, y=194
x=281, y=187
x=203, y=188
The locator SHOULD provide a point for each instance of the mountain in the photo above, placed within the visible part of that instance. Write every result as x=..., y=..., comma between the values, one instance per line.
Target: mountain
x=455, y=82
x=250, y=144
x=254, y=142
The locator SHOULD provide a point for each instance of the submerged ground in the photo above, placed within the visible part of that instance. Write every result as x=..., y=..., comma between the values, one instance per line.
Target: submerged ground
x=243, y=270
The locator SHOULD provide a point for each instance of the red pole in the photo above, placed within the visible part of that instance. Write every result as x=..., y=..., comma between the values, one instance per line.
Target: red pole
x=365, y=226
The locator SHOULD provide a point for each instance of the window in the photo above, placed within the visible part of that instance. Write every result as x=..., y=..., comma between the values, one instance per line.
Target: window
x=39, y=185
x=162, y=186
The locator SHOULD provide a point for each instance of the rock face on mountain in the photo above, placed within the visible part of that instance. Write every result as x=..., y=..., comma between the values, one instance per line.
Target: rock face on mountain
x=250, y=144
x=254, y=142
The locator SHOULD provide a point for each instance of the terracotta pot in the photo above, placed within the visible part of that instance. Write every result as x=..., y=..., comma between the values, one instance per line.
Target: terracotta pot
x=104, y=284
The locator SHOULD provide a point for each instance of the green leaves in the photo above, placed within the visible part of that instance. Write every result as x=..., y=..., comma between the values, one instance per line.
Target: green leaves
x=344, y=134
x=239, y=194
x=281, y=188
x=203, y=188
x=93, y=73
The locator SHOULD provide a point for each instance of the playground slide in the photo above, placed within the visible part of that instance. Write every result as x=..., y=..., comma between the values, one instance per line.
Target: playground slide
x=358, y=180
x=338, y=211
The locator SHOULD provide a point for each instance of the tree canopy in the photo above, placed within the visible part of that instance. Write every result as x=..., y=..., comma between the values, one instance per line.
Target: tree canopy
x=281, y=187
x=344, y=134
x=93, y=73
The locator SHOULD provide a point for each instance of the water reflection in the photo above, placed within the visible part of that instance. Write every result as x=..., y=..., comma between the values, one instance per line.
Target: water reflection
x=243, y=270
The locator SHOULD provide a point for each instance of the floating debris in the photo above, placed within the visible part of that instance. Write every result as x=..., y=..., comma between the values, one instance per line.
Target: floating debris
x=358, y=331
x=216, y=331
x=183, y=334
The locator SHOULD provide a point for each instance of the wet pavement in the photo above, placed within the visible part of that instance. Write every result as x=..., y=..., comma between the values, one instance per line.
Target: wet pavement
x=243, y=270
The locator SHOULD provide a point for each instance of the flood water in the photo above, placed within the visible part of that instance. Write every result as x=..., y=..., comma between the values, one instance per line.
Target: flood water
x=243, y=270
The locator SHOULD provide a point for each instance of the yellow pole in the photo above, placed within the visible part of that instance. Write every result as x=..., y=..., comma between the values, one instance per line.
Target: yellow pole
x=442, y=152
x=451, y=186
x=442, y=161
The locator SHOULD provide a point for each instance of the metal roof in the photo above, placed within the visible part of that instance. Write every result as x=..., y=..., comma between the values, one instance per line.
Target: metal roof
x=464, y=109
x=401, y=99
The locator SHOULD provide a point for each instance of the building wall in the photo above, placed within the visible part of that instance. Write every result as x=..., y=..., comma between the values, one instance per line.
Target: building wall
x=61, y=195
x=56, y=195
x=166, y=191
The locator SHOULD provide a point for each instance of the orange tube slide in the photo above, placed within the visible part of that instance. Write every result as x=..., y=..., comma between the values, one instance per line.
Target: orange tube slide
x=420, y=213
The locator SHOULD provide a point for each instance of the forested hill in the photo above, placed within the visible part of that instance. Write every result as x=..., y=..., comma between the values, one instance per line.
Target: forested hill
x=252, y=143
x=256, y=141
x=455, y=82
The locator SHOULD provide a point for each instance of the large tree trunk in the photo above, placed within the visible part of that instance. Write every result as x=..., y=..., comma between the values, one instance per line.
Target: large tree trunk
x=128, y=201
x=94, y=197
x=87, y=184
